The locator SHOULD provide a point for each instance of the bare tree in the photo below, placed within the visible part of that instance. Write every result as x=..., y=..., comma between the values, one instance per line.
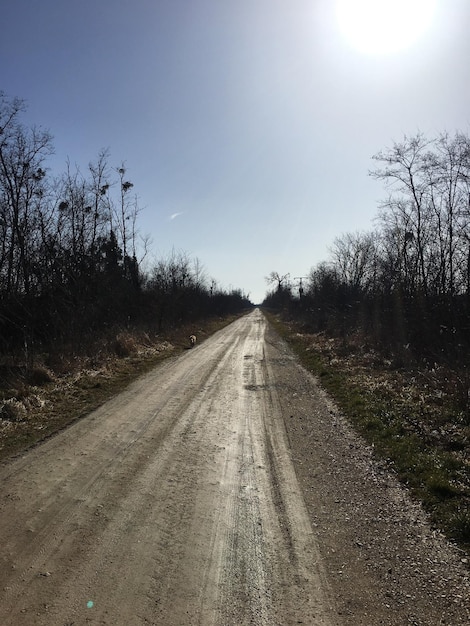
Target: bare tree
x=355, y=256
x=427, y=213
x=405, y=165
x=452, y=169
x=280, y=279
x=22, y=188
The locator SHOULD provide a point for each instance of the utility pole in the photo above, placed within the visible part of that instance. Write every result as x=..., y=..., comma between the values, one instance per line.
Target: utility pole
x=301, y=289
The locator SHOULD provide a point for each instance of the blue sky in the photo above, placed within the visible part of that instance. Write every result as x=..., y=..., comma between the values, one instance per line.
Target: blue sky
x=246, y=126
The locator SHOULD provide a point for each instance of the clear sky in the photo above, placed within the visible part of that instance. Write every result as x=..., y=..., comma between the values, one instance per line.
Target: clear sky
x=246, y=126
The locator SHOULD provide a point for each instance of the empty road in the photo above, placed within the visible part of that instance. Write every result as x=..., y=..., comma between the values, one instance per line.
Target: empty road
x=222, y=489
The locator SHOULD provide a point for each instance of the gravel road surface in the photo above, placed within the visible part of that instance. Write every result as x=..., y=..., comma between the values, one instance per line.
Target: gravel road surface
x=223, y=488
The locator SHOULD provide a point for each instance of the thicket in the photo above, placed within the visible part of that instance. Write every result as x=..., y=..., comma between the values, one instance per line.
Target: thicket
x=403, y=287
x=69, y=254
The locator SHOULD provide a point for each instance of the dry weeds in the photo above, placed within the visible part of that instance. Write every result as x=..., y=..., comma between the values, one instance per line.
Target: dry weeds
x=417, y=418
x=39, y=401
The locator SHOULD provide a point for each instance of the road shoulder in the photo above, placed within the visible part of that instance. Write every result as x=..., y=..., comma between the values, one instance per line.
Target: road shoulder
x=385, y=563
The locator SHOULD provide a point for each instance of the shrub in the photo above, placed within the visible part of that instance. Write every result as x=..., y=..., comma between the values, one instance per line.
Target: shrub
x=13, y=411
x=39, y=376
x=124, y=345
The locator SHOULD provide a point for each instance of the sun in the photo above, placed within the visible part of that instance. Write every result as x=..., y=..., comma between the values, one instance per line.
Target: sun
x=384, y=26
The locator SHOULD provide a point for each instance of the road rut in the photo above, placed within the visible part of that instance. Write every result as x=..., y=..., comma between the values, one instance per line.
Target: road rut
x=223, y=488
x=174, y=503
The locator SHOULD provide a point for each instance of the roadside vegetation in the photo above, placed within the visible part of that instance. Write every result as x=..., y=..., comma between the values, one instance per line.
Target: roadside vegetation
x=82, y=307
x=385, y=324
x=39, y=401
x=414, y=418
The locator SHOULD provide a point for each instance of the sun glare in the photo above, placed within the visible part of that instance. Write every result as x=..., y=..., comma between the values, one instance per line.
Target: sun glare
x=384, y=26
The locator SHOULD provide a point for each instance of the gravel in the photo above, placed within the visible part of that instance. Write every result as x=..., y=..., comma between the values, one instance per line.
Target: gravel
x=385, y=563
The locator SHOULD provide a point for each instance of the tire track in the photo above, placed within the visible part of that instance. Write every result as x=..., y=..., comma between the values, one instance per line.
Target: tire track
x=170, y=505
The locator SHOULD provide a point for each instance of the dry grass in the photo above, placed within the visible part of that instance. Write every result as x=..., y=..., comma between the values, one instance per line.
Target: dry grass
x=417, y=419
x=37, y=402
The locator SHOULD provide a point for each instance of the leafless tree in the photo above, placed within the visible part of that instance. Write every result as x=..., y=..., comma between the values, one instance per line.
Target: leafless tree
x=355, y=257
x=23, y=152
x=281, y=280
x=404, y=166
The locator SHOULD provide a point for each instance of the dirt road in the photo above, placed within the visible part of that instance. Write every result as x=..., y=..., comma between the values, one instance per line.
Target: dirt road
x=222, y=489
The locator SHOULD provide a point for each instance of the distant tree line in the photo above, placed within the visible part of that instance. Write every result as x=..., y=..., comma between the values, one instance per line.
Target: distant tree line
x=405, y=286
x=69, y=266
